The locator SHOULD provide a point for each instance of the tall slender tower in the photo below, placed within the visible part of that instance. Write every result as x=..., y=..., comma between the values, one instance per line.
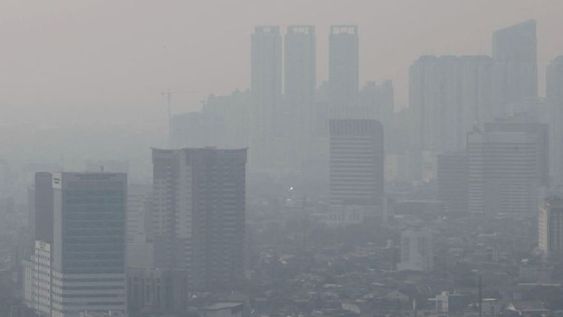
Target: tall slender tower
x=516, y=69
x=554, y=96
x=300, y=79
x=266, y=88
x=343, y=68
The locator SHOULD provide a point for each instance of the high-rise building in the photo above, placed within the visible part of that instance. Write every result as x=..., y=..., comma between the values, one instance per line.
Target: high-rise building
x=357, y=164
x=266, y=78
x=554, y=97
x=448, y=96
x=515, y=67
x=507, y=164
x=343, y=68
x=139, y=242
x=452, y=182
x=43, y=207
x=550, y=227
x=300, y=83
x=198, y=219
x=37, y=286
x=417, y=250
x=266, y=90
x=300, y=76
x=88, y=251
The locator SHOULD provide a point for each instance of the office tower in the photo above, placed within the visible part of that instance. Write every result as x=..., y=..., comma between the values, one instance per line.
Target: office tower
x=198, y=219
x=300, y=77
x=266, y=79
x=550, y=227
x=300, y=81
x=43, y=207
x=507, y=165
x=357, y=160
x=515, y=67
x=378, y=100
x=343, y=67
x=88, y=251
x=554, y=97
x=417, y=250
x=139, y=243
x=448, y=96
x=452, y=182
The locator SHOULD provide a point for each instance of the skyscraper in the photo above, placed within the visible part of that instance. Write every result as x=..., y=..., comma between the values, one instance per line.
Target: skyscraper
x=88, y=268
x=343, y=68
x=507, y=165
x=300, y=82
x=199, y=214
x=266, y=77
x=554, y=96
x=550, y=227
x=357, y=161
x=448, y=95
x=515, y=67
x=452, y=182
x=43, y=201
x=300, y=77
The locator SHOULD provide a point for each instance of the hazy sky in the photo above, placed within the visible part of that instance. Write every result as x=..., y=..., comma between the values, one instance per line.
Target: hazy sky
x=92, y=60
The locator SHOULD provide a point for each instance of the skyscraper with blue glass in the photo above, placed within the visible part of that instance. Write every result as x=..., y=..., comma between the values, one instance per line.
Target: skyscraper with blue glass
x=88, y=243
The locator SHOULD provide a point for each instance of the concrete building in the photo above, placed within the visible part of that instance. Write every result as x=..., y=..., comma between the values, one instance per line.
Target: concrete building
x=227, y=309
x=37, y=290
x=554, y=98
x=266, y=90
x=515, y=79
x=451, y=176
x=156, y=291
x=343, y=67
x=417, y=250
x=88, y=251
x=300, y=82
x=139, y=241
x=550, y=228
x=198, y=220
x=448, y=96
x=357, y=166
x=507, y=165
x=43, y=207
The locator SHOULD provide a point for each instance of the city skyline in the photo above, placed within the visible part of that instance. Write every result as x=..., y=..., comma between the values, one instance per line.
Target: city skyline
x=166, y=53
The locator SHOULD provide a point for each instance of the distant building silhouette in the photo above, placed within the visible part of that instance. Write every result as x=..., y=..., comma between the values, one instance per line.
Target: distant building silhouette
x=554, y=96
x=507, y=165
x=343, y=67
x=516, y=72
x=357, y=163
x=198, y=219
x=452, y=182
x=266, y=89
x=300, y=83
x=448, y=96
